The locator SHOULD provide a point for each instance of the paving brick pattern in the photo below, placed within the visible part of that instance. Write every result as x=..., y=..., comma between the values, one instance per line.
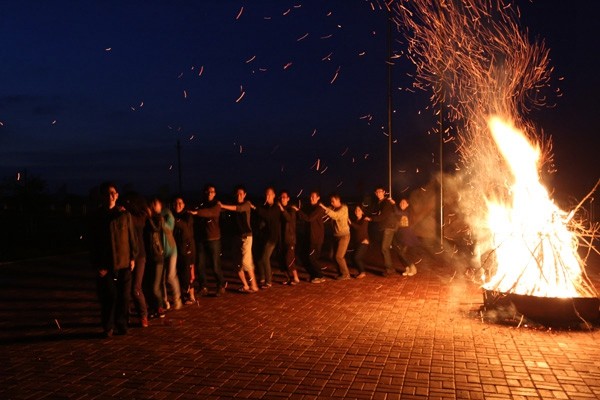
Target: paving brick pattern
x=376, y=338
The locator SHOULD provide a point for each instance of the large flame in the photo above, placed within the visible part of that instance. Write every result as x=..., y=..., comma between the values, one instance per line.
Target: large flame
x=534, y=250
x=478, y=62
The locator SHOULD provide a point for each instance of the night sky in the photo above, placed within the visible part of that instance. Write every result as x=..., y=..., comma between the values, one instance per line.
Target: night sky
x=104, y=90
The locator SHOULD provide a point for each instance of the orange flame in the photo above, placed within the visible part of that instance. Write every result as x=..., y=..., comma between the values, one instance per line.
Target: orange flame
x=535, y=252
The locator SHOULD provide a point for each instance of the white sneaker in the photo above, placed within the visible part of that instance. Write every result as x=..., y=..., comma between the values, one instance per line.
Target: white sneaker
x=412, y=270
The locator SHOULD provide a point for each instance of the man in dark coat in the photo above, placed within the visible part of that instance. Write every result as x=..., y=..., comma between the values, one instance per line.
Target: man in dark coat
x=387, y=222
x=314, y=215
x=113, y=249
x=288, y=238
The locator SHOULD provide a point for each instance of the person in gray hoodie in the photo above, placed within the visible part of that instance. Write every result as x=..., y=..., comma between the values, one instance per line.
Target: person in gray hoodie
x=341, y=232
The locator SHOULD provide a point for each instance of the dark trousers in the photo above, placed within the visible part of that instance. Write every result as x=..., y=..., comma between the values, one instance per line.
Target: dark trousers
x=359, y=256
x=184, y=273
x=210, y=250
x=386, y=244
x=157, y=287
x=403, y=252
x=265, y=272
x=313, y=267
x=287, y=258
x=136, y=288
x=114, y=290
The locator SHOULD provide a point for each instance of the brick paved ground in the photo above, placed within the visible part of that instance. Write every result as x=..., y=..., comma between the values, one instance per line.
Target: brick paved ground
x=378, y=338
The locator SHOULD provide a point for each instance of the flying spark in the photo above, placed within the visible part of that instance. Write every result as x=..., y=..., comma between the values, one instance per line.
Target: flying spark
x=337, y=72
x=239, y=13
x=302, y=37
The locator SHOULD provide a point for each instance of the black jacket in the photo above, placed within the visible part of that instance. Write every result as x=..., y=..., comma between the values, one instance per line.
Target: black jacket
x=113, y=243
x=271, y=215
x=184, y=238
x=288, y=225
x=314, y=216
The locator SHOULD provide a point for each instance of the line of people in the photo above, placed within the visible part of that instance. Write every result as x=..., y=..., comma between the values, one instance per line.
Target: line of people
x=139, y=249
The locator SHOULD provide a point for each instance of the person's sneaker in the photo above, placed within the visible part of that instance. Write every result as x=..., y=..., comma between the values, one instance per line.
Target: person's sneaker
x=178, y=304
x=406, y=272
x=294, y=282
x=204, y=292
x=220, y=291
x=266, y=286
x=343, y=277
x=144, y=322
x=161, y=312
x=412, y=270
x=317, y=280
x=167, y=305
x=189, y=302
x=361, y=275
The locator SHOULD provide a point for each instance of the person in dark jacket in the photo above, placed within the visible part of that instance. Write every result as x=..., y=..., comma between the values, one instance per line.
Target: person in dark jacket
x=405, y=239
x=314, y=215
x=360, y=236
x=208, y=240
x=270, y=213
x=183, y=233
x=113, y=249
x=288, y=240
x=387, y=221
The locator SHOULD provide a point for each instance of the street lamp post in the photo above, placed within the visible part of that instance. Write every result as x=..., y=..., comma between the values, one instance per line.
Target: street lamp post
x=179, y=166
x=390, y=103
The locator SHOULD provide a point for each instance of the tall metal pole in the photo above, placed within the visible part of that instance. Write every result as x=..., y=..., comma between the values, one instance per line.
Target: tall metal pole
x=390, y=104
x=441, y=174
x=179, y=165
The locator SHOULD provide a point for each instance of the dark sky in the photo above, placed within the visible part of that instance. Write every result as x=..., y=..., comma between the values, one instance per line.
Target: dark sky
x=104, y=89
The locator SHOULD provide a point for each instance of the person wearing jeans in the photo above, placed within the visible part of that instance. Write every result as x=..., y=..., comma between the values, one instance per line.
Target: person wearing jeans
x=167, y=270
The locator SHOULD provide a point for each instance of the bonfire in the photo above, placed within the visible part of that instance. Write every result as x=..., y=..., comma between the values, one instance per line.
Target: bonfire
x=481, y=67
